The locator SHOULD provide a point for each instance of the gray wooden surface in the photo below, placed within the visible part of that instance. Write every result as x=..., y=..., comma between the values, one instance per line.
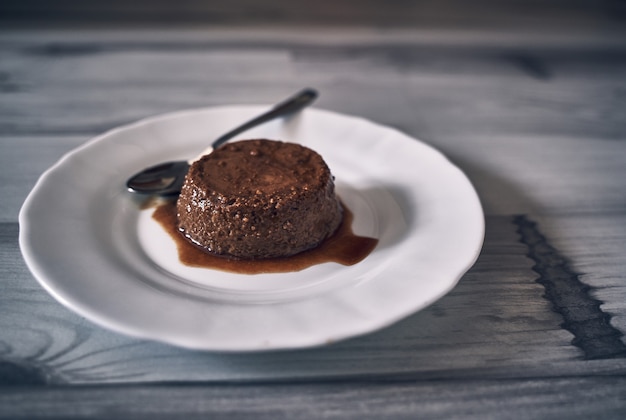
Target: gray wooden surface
x=535, y=118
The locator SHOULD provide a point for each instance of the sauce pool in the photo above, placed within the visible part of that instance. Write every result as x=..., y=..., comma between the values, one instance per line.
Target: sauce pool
x=343, y=247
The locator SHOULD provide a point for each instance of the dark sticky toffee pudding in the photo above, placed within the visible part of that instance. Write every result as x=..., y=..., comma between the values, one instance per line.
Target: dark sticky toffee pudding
x=258, y=206
x=258, y=199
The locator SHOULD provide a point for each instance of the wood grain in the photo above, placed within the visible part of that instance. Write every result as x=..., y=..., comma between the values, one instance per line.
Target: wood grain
x=533, y=119
x=486, y=90
x=545, y=398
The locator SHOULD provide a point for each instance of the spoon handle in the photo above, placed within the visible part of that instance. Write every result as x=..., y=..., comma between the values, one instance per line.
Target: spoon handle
x=290, y=105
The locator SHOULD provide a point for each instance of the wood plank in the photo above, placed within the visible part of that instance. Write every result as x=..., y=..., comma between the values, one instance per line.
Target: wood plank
x=418, y=13
x=186, y=38
x=569, y=176
x=546, y=398
x=486, y=91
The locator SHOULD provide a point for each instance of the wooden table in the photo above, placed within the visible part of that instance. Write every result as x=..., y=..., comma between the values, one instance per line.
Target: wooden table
x=536, y=119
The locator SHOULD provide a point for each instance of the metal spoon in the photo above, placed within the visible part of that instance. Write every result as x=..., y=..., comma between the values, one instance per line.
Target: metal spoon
x=167, y=178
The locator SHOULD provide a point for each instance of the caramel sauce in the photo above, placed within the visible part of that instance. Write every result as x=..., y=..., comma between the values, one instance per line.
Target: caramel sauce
x=344, y=247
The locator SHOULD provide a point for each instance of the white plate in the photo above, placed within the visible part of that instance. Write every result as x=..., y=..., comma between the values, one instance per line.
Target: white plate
x=88, y=243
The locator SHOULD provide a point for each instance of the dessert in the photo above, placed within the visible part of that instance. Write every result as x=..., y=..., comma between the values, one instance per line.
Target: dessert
x=257, y=199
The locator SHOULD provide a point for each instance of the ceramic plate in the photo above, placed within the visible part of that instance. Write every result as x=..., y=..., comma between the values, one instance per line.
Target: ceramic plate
x=89, y=243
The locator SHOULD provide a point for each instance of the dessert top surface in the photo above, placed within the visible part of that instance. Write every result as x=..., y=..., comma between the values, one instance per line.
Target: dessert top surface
x=259, y=167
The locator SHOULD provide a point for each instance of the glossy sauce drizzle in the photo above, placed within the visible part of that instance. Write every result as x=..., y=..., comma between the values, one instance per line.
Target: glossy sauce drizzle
x=344, y=247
